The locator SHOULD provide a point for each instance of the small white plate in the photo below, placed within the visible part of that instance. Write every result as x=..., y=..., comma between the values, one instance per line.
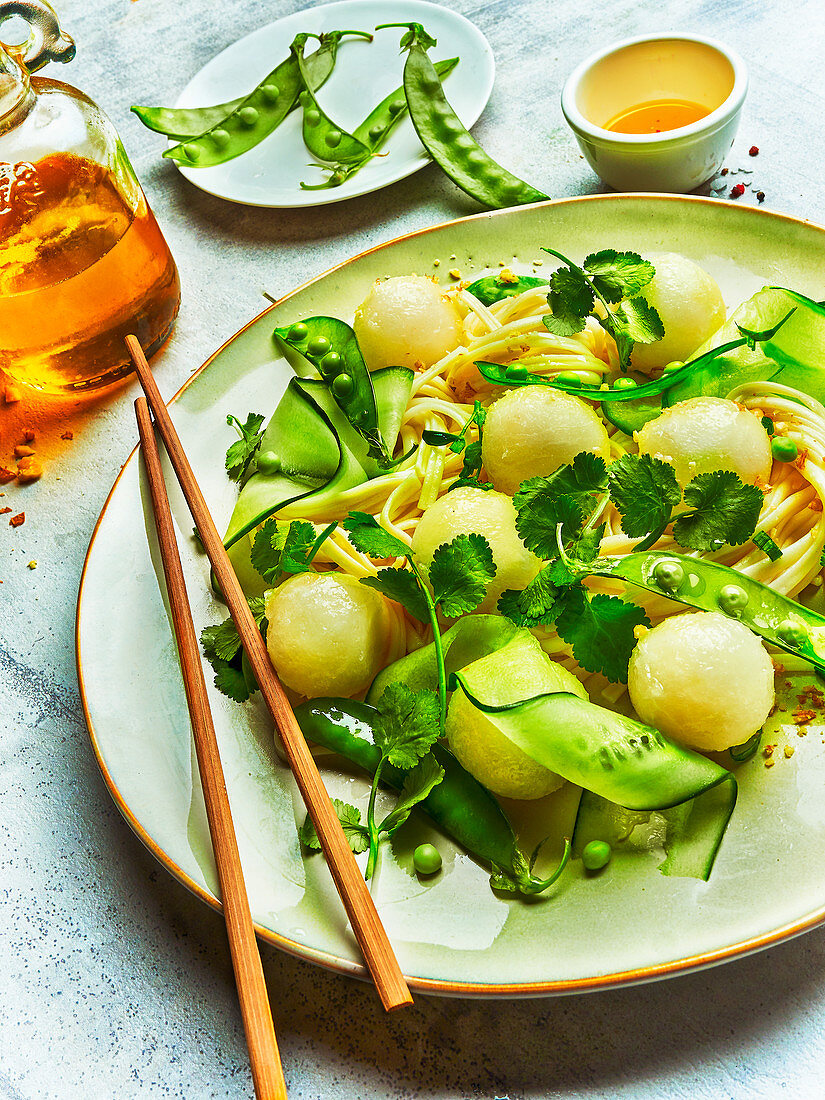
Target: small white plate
x=365, y=72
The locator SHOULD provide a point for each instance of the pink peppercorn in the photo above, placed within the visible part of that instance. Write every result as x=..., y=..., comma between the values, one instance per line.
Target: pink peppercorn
x=737, y=191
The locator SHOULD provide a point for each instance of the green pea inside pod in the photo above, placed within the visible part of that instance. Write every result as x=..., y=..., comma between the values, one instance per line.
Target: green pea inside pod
x=625, y=383
x=330, y=364
x=733, y=599
x=669, y=575
x=342, y=386
x=792, y=633
x=318, y=347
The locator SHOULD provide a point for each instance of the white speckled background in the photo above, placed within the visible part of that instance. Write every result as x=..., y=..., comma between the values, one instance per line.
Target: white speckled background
x=114, y=982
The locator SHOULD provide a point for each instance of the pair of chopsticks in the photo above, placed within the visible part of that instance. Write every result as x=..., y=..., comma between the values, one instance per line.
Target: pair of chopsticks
x=372, y=938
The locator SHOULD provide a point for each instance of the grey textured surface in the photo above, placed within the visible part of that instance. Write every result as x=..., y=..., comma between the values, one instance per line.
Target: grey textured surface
x=114, y=982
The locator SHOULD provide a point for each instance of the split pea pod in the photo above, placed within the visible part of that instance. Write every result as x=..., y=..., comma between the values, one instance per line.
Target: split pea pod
x=375, y=130
x=708, y=586
x=459, y=804
x=331, y=347
x=322, y=136
x=444, y=135
x=263, y=110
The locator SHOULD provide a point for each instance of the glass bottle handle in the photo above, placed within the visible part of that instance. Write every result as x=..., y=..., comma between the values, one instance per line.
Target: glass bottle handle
x=46, y=42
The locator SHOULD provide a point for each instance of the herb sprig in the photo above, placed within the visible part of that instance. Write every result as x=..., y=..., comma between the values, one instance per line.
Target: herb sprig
x=240, y=456
x=614, y=279
x=458, y=444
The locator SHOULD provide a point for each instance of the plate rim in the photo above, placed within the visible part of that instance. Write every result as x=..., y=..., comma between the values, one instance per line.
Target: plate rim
x=348, y=967
x=328, y=198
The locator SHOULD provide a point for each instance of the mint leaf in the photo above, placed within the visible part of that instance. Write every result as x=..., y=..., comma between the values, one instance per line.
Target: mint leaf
x=418, y=783
x=618, y=275
x=645, y=492
x=407, y=725
x=240, y=453
x=350, y=818
x=368, y=537
x=460, y=572
x=725, y=510
x=600, y=630
x=535, y=605
x=402, y=586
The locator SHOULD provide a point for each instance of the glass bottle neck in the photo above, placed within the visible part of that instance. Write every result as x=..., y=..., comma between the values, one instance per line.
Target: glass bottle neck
x=16, y=95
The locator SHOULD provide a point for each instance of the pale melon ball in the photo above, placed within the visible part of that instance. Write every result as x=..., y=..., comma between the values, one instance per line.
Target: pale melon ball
x=478, y=743
x=465, y=511
x=406, y=320
x=708, y=433
x=705, y=680
x=327, y=633
x=690, y=304
x=531, y=431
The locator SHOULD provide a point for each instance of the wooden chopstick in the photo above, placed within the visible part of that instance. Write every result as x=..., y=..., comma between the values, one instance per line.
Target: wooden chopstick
x=369, y=931
x=267, y=1071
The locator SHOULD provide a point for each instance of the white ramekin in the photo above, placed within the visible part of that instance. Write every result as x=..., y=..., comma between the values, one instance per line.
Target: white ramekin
x=647, y=68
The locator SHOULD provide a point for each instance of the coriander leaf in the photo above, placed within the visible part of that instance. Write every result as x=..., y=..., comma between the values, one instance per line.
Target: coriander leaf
x=407, y=725
x=230, y=680
x=645, y=492
x=267, y=549
x=586, y=547
x=539, y=515
x=600, y=630
x=535, y=605
x=402, y=586
x=472, y=459
x=640, y=320
x=473, y=483
x=240, y=453
x=725, y=510
x=618, y=275
x=368, y=537
x=460, y=572
x=299, y=541
x=221, y=641
x=418, y=783
x=571, y=299
x=479, y=415
x=582, y=479
x=350, y=818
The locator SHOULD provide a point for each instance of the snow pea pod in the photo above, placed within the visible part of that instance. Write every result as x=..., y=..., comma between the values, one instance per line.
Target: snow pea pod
x=331, y=347
x=459, y=804
x=493, y=288
x=263, y=110
x=374, y=131
x=324, y=139
x=444, y=135
x=708, y=586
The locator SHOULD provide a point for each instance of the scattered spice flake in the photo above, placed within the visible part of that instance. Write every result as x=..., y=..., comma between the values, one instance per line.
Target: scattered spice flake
x=70, y=435
x=7, y=474
x=737, y=190
x=769, y=763
x=32, y=564
x=22, y=451
x=436, y=263
x=454, y=273
x=11, y=394
x=802, y=717
x=768, y=750
x=3, y=511
x=18, y=520
x=789, y=751
x=802, y=731
x=724, y=172
x=506, y=277
x=760, y=196
x=28, y=435
x=28, y=470
x=753, y=151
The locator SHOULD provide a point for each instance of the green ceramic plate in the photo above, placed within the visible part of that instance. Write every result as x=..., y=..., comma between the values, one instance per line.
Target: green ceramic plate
x=452, y=935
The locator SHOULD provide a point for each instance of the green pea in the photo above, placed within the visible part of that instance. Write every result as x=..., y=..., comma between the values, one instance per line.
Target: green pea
x=359, y=417
x=248, y=116
x=783, y=449
x=330, y=364
x=596, y=855
x=791, y=633
x=269, y=463
x=376, y=132
x=312, y=117
x=192, y=151
x=220, y=138
x=579, y=378
x=426, y=859
x=516, y=372
x=733, y=599
x=396, y=106
x=625, y=384
x=305, y=99
x=297, y=333
x=669, y=575
x=677, y=364
x=333, y=138
x=270, y=93
x=767, y=424
x=450, y=126
x=342, y=385
x=476, y=157
x=318, y=347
